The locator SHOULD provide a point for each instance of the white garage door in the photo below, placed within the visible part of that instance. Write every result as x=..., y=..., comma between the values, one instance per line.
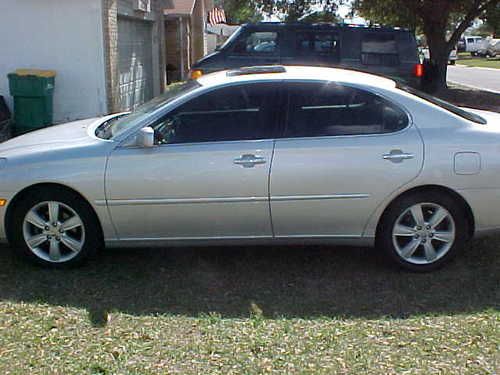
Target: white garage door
x=135, y=62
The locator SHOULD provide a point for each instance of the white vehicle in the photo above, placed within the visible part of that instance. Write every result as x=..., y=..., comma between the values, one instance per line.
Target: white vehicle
x=489, y=48
x=472, y=44
x=425, y=55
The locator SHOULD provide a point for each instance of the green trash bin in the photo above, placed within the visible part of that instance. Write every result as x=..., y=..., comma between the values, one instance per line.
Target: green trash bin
x=33, y=92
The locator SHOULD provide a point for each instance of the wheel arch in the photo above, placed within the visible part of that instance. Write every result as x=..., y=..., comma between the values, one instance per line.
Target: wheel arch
x=434, y=188
x=43, y=186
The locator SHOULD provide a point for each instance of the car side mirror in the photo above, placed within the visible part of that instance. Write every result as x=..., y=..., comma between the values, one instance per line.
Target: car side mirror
x=146, y=137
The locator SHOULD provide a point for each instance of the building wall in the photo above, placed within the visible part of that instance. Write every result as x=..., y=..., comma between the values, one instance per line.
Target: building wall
x=65, y=36
x=112, y=9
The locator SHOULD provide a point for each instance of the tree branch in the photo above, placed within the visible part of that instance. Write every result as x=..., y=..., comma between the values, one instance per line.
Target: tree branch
x=475, y=11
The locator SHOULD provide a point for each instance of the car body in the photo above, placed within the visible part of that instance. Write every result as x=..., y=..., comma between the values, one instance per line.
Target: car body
x=277, y=169
x=472, y=43
x=382, y=50
x=425, y=55
x=489, y=48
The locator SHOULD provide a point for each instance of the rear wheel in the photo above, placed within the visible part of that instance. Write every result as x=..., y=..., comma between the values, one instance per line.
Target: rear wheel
x=423, y=231
x=54, y=228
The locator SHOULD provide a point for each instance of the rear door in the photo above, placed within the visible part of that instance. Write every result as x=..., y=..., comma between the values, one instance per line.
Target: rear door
x=344, y=151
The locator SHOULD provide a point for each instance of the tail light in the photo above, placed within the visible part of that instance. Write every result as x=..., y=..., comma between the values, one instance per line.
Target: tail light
x=418, y=70
x=195, y=73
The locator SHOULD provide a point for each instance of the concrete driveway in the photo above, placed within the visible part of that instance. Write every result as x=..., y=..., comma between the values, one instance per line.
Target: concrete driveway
x=478, y=78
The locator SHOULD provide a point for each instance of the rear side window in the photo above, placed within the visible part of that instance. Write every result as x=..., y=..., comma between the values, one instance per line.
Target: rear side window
x=327, y=109
x=259, y=42
x=232, y=113
x=323, y=43
x=379, y=49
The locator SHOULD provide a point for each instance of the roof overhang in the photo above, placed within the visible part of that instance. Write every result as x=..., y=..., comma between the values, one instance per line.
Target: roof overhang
x=179, y=8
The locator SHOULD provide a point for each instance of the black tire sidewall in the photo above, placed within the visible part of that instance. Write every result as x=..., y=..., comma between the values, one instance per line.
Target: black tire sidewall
x=384, y=235
x=82, y=208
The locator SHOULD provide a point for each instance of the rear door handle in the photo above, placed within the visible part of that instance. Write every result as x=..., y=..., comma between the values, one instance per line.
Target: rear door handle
x=249, y=160
x=397, y=156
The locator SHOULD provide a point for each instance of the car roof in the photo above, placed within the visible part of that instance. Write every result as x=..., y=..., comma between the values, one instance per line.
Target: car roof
x=303, y=73
x=321, y=26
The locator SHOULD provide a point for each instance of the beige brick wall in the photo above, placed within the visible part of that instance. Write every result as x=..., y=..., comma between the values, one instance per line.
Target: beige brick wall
x=111, y=10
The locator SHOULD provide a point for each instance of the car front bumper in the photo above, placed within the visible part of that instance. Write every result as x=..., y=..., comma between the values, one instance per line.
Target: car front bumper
x=3, y=211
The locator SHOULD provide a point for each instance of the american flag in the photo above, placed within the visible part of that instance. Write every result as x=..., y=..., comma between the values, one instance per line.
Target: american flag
x=216, y=16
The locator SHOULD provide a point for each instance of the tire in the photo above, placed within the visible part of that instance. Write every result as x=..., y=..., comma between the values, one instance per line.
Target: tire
x=423, y=246
x=452, y=62
x=68, y=241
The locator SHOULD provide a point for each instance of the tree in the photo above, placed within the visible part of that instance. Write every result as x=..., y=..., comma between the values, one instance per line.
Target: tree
x=241, y=11
x=491, y=18
x=297, y=10
x=436, y=18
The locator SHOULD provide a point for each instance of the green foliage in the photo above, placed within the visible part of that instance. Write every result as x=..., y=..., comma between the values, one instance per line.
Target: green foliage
x=241, y=11
x=291, y=11
x=491, y=20
x=387, y=12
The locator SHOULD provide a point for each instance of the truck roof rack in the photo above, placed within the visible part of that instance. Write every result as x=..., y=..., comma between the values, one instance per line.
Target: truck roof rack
x=266, y=69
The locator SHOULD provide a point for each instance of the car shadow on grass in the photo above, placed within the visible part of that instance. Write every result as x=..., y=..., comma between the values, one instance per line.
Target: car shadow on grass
x=290, y=282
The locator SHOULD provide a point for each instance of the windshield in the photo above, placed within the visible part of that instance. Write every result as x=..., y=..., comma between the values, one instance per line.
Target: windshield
x=444, y=104
x=116, y=126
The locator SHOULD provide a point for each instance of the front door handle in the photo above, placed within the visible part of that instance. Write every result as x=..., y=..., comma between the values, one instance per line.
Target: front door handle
x=249, y=160
x=397, y=156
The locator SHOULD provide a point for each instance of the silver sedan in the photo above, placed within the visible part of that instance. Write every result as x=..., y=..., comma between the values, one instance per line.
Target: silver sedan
x=263, y=155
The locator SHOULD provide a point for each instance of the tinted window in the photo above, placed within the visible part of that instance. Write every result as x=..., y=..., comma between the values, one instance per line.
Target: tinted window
x=118, y=125
x=379, y=49
x=257, y=43
x=317, y=43
x=318, y=110
x=227, y=114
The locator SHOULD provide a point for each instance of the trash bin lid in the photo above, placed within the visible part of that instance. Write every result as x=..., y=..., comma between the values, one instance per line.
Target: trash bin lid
x=36, y=72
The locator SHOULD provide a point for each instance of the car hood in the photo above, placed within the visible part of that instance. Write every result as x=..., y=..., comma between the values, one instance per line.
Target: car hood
x=54, y=137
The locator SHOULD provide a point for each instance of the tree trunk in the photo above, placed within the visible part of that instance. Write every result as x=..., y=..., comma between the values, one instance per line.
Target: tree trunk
x=439, y=49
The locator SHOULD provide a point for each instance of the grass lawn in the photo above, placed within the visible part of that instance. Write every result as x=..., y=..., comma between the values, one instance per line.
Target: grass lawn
x=315, y=310
x=481, y=62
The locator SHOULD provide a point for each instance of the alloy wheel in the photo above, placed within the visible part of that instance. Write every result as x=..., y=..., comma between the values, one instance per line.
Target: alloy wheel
x=54, y=232
x=424, y=233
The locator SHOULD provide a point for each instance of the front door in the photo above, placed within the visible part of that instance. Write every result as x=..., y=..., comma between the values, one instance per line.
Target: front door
x=208, y=176
x=344, y=151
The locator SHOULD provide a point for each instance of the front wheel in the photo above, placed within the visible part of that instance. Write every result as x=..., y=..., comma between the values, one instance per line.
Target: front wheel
x=54, y=228
x=423, y=231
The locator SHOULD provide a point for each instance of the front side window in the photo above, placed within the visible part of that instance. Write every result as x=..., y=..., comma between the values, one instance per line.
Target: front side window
x=328, y=109
x=227, y=114
x=325, y=44
x=379, y=49
x=259, y=42
x=120, y=124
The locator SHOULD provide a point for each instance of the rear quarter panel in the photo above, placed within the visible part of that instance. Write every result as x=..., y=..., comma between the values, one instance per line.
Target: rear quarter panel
x=444, y=136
